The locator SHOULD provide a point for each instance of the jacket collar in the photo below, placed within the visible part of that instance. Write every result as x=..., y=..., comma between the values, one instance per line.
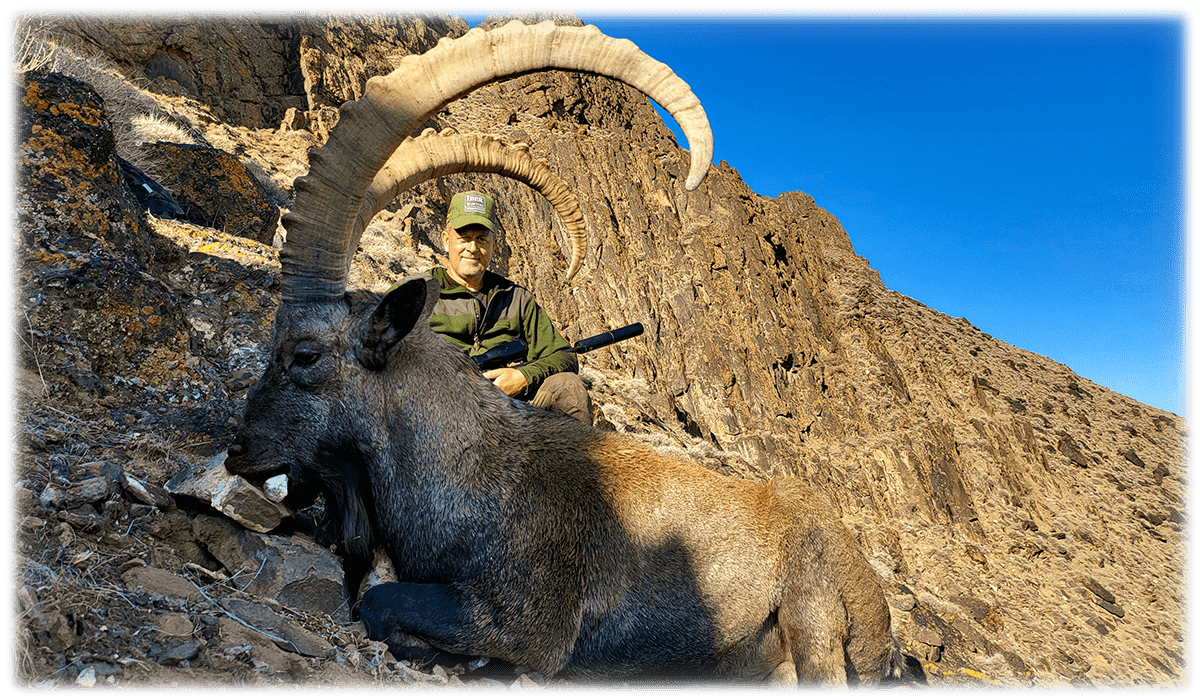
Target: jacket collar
x=491, y=282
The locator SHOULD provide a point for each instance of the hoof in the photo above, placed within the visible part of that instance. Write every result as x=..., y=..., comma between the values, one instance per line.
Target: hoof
x=783, y=677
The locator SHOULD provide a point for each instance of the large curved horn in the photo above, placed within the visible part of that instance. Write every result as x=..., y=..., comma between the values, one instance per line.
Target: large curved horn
x=432, y=155
x=321, y=229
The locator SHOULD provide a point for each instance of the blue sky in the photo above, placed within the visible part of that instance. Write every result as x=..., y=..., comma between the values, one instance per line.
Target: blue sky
x=1027, y=175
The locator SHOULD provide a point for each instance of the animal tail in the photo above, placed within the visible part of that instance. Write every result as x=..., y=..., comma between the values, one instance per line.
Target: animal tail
x=905, y=670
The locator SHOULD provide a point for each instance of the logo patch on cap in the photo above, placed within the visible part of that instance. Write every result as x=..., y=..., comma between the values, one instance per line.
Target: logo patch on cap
x=474, y=204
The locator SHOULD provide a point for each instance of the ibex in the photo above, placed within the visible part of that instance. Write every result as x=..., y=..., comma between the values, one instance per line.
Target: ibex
x=515, y=533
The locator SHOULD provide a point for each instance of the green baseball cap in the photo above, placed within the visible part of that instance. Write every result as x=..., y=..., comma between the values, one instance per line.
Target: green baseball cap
x=472, y=207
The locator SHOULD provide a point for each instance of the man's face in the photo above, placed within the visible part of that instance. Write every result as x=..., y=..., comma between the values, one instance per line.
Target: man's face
x=470, y=251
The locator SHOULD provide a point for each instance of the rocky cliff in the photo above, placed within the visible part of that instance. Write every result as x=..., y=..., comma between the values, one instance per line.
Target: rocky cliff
x=1028, y=524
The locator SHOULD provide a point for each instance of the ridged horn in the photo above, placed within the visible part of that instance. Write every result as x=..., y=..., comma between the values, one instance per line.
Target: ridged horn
x=321, y=229
x=433, y=155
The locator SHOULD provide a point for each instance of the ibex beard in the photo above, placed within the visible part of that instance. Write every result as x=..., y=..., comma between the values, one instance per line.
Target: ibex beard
x=526, y=536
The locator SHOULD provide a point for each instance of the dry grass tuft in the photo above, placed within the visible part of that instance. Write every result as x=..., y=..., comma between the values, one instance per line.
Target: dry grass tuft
x=34, y=42
x=152, y=128
x=24, y=669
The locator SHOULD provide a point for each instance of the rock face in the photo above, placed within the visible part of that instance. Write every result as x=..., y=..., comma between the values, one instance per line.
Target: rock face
x=87, y=246
x=249, y=73
x=1028, y=525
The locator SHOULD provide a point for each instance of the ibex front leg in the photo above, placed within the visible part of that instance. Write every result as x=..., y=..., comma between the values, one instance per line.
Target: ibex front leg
x=423, y=621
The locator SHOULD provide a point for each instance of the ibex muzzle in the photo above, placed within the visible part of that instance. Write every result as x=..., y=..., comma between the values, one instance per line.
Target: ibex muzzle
x=516, y=533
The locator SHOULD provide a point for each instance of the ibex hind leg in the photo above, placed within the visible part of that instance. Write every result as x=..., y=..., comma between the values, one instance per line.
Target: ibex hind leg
x=816, y=630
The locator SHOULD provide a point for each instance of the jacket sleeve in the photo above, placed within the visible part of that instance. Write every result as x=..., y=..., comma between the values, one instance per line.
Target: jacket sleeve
x=549, y=352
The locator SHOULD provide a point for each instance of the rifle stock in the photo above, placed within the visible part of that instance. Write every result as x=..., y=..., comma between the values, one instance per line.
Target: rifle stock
x=501, y=355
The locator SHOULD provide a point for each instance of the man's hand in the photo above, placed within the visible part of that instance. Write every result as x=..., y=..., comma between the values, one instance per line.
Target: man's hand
x=510, y=381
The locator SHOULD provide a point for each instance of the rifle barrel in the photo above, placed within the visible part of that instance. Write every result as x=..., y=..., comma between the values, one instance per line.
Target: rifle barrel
x=513, y=350
x=601, y=340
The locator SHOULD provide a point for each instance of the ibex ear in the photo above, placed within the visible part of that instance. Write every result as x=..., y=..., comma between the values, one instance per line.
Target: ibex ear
x=398, y=313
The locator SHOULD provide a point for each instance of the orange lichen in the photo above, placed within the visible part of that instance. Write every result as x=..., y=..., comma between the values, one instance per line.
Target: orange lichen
x=239, y=181
x=132, y=320
x=52, y=148
x=92, y=116
x=33, y=97
x=166, y=364
x=976, y=674
x=48, y=258
x=51, y=155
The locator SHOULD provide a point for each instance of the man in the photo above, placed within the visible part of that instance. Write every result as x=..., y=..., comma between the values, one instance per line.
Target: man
x=479, y=310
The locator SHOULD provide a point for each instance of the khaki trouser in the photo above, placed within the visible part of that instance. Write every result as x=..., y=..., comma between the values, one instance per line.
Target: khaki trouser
x=564, y=393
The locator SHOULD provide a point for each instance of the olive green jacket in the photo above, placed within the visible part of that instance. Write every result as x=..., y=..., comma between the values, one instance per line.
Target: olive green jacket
x=501, y=311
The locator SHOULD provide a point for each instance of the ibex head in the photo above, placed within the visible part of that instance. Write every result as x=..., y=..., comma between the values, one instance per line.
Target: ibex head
x=324, y=389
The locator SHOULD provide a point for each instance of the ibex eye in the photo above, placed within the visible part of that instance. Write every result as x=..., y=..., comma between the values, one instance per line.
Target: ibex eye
x=304, y=358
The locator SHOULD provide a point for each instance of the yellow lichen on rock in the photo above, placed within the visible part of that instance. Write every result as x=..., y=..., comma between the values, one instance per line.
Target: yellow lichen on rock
x=53, y=161
x=92, y=116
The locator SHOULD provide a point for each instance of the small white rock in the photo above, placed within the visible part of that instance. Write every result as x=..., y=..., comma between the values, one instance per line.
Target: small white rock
x=87, y=677
x=276, y=488
x=439, y=674
x=524, y=682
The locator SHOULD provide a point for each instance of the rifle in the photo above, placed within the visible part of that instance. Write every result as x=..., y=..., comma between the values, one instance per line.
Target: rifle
x=504, y=353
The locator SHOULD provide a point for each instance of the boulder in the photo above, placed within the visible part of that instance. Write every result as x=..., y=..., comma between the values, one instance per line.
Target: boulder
x=161, y=584
x=229, y=494
x=286, y=634
x=214, y=189
x=293, y=570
